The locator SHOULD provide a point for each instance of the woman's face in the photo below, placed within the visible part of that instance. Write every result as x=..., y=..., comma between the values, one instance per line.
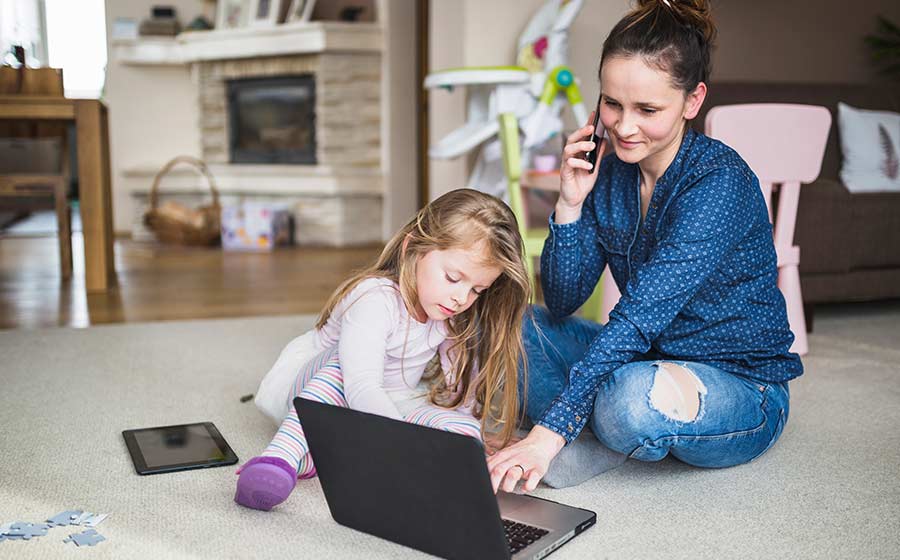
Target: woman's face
x=643, y=112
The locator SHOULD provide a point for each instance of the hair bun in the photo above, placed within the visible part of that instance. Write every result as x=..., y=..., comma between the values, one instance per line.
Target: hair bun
x=695, y=13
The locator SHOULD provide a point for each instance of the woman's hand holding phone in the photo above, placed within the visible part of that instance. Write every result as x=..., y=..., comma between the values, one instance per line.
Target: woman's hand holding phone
x=577, y=175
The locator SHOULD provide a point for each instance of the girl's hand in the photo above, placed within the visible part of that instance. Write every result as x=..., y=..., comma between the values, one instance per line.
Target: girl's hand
x=575, y=174
x=526, y=460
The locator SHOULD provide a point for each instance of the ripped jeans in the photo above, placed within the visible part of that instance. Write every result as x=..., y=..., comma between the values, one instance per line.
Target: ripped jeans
x=700, y=414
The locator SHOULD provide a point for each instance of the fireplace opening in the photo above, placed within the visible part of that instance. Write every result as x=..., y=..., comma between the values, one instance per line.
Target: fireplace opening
x=272, y=120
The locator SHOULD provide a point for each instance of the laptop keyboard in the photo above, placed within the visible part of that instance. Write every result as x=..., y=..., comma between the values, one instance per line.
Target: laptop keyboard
x=520, y=535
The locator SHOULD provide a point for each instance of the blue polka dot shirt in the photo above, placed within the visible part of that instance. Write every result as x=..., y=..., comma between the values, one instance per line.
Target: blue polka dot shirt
x=698, y=274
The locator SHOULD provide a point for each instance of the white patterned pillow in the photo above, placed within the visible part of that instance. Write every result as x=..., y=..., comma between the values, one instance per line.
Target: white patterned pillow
x=870, y=142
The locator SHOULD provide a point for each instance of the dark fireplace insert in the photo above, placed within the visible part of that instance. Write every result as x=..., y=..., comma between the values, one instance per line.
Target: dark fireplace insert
x=272, y=120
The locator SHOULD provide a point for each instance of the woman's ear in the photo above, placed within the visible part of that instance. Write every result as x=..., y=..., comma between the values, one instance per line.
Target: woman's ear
x=694, y=101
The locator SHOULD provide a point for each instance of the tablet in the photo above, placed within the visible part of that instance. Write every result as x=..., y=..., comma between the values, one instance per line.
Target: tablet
x=178, y=448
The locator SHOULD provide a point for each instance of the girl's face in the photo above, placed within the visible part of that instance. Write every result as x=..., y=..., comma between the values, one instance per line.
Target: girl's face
x=450, y=281
x=643, y=112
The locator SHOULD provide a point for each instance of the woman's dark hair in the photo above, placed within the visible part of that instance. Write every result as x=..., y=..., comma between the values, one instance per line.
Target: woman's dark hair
x=674, y=35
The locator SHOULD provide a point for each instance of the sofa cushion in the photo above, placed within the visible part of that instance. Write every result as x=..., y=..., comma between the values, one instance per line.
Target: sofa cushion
x=869, y=142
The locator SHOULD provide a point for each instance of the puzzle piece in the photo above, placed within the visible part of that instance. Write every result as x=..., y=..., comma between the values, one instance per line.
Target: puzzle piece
x=65, y=517
x=94, y=519
x=27, y=530
x=89, y=537
x=81, y=518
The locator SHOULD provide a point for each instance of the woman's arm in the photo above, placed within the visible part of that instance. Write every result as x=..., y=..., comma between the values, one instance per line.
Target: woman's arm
x=573, y=231
x=567, y=287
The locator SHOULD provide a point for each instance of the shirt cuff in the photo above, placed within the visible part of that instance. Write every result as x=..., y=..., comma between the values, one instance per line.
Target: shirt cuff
x=565, y=419
x=565, y=234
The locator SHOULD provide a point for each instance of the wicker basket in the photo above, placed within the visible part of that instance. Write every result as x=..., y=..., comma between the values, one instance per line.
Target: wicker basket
x=175, y=223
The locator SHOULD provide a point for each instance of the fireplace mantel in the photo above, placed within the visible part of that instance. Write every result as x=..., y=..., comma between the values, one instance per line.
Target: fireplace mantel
x=287, y=39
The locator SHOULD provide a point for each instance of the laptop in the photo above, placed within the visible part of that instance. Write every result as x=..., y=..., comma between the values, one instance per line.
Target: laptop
x=427, y=489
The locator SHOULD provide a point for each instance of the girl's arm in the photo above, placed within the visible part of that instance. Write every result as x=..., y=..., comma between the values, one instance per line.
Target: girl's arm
x=362, y=348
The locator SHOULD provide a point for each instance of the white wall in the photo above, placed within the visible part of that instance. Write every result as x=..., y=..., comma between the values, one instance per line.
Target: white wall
x=153, y=112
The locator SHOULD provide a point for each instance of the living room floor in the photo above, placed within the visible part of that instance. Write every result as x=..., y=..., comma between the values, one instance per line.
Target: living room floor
x=159, y=283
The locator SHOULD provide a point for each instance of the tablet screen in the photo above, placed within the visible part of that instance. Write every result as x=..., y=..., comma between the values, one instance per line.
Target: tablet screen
x=169, y=448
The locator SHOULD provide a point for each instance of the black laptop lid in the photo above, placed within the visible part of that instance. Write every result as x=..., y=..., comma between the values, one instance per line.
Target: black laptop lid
x=420, y=487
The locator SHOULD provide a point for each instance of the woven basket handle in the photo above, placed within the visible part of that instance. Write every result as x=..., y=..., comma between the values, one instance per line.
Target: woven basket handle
x=190, y=160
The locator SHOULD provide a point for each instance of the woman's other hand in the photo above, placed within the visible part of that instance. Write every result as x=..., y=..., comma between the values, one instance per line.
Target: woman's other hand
x=526, y=460
x=575, y=173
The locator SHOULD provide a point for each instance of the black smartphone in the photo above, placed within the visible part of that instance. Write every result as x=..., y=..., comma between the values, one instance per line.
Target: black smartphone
x=596, y=136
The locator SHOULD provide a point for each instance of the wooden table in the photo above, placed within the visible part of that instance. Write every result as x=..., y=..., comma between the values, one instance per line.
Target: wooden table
x=94, y=193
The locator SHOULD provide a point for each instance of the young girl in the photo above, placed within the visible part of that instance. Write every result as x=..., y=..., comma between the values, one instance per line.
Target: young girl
x=694, y=360
x=452, y=283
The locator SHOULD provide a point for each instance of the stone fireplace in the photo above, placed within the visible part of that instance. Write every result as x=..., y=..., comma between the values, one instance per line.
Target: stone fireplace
x=291, y=116
x=347, y=103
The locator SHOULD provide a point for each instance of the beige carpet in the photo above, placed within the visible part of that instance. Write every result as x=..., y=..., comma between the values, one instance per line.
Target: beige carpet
x=829, y=489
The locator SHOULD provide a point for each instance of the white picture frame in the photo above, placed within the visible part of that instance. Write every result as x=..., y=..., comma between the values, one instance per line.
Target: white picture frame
x=232, y=14
x=301, y=10
x=264, y=13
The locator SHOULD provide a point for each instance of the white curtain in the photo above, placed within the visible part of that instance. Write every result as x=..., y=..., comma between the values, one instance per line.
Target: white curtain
x=22, y=23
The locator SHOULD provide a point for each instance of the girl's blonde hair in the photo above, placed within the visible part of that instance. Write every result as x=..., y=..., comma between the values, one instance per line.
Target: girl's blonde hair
x=487, y=337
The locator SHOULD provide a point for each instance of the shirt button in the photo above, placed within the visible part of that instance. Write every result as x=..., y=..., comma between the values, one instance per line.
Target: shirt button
x=571, y=428
x=577, y=418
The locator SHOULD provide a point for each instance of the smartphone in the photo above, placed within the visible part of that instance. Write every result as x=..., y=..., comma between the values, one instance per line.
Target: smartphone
x=596, y=136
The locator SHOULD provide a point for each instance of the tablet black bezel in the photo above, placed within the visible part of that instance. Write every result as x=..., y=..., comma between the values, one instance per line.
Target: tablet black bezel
x=140, y=465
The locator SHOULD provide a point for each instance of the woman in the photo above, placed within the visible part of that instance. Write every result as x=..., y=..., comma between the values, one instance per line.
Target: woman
x=694, y=360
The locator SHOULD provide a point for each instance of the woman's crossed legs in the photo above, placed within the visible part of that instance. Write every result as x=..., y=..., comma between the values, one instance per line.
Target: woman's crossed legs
x=647, y=409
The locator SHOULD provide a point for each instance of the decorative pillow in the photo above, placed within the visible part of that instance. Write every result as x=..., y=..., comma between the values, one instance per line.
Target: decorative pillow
x=870, y=142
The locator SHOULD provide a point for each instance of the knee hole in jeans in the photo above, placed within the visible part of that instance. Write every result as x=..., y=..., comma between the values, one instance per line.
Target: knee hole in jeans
x=676, y=392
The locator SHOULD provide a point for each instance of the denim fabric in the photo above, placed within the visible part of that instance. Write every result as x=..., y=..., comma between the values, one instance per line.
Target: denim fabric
x=739, y=417
x=698, y=275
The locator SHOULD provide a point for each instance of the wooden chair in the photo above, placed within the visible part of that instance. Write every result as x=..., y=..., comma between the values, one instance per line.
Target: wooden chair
x=24, y=185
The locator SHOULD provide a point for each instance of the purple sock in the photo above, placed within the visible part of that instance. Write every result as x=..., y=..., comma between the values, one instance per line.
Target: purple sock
x=265, y=482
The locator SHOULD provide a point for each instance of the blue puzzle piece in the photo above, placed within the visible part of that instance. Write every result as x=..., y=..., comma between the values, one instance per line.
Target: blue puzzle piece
x=27, y=530
x=65, y=517
x=86, y=538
